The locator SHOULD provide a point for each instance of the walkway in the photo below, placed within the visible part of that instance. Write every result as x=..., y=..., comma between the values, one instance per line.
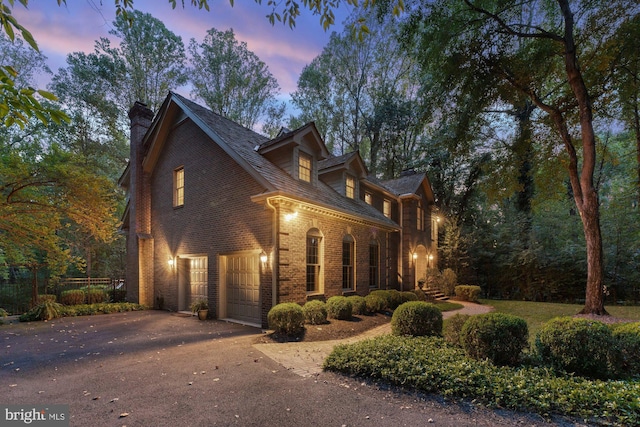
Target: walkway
x=306, y=358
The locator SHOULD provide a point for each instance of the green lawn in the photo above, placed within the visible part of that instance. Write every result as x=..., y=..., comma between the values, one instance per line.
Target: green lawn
x=537, y=313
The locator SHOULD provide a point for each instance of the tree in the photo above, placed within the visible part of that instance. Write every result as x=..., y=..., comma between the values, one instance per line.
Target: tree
x=509, y=39
x=231, y=79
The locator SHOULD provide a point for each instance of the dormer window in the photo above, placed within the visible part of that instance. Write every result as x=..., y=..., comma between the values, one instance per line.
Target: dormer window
x=386, y=208
x=368, y=199
x=351, y=187
x=304, y=167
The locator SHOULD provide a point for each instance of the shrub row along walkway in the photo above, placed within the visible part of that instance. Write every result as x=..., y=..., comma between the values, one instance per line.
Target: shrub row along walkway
x=305, y=358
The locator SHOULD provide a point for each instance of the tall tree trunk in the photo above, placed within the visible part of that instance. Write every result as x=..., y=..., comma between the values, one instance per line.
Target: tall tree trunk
x=585, y=193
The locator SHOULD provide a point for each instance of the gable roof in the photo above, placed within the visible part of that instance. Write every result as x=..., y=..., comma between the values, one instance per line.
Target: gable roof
x=243, y=145
x=350, y=161
x=409, y=183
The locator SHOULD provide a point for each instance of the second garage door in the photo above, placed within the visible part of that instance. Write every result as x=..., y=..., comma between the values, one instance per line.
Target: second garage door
x=242, y=279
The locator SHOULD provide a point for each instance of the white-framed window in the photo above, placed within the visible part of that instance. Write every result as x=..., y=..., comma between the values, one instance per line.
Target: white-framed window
x=386, y=208
x=304, y=167
x=178, y=187
x=420, y=217
x=350, y=187
x=348, y=262
x=314, y=261
x=374, y=264
x=368, y=199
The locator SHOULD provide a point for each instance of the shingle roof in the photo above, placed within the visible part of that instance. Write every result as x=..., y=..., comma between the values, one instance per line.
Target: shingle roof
x=243, y=142
x=406, y=184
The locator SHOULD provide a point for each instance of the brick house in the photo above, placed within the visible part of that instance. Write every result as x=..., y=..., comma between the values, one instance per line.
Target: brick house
x=219, y=212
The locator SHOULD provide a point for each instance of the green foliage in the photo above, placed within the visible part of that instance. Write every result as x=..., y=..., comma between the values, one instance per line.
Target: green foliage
x=46, y=297
x=315, y=312
x=339, y=307
x=375, y=303
x=358, y=304
x=99, y=308
x=3, y=314
x=452, y=329
x=626, y=352
x=46, y=309
x=468, y=292
x=286, y=318
x=430, y=365
x=576, y=345
x=407, y=296
x=416, y=318
x=449, y=282
x=96, y=296
x=498, y=337
x=72, y=297
x=201, y=304
x=385, y=296
x=420, y=295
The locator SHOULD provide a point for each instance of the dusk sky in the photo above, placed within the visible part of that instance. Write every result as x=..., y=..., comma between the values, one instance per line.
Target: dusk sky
x=60, y=30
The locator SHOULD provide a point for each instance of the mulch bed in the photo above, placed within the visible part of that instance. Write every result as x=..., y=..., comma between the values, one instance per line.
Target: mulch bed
x=332, y=330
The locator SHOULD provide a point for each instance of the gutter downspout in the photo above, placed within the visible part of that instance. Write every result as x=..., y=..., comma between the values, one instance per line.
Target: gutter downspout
x=400, y=204
x=275, y=259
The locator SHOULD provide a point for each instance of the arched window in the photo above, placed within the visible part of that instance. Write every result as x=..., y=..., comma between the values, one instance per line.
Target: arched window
x=374, y=264
x=314, y=261
x=348, y=262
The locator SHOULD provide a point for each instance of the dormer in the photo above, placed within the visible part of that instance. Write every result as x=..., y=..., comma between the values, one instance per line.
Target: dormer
x=297, y=152
x=343, y=173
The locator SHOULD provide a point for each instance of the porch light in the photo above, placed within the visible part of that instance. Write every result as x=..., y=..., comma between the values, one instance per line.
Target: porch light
x=263, y=258
x=414, y=256
x=290, y=216
x=171, y=263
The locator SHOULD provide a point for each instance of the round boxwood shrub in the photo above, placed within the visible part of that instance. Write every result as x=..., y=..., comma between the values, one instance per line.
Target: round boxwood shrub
x=375, y=303
x=416, y=318
x=407, y=296
x=339, y=307
x=72, y=297
x=453, y=328
x=420, y=295
x=626, y=352
x=498, y=337
x=395, y=299
x=626, y=361
x=286, y=318
x=96, y=296
x=467, y=293
x=575, y=345
x=315, y=312
x=386, y=297
x=358, y=304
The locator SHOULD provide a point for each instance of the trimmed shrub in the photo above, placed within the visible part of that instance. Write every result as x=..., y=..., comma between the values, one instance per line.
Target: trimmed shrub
x=468, y=293
x=453, y=328
x=46, y=297
x=498, y=337
x=286, y=318
x=72, y=297
x=395, y=299
x=96, y=296
x=315, y=312
x=46, y=310
x=408, y=296
x=3, y=314
x=358, y=304
x=575, y=345
x=375, y=303
x=420, y=295
x=386, y=297
x=339, y=307
x=417, y=318
x=626, y=351
x=449, y=282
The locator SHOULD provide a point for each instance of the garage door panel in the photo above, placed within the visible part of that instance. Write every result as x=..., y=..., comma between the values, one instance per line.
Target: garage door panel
x=243, y=288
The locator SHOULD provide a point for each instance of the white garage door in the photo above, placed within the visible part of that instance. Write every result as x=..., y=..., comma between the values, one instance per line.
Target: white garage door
x=242, y=278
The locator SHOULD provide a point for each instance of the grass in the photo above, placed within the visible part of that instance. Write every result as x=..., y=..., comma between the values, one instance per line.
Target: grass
x=537, y=313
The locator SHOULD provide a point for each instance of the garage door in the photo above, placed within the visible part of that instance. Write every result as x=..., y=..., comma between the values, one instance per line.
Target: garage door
x=243, y=288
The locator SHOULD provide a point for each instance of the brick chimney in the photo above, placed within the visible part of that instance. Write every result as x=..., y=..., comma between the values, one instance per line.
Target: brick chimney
x=139, y=241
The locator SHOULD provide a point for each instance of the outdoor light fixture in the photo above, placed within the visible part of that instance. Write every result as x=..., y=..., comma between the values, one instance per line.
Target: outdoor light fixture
x=171, y=262
x=414, y=256
x=290, y=216
x=263, y=258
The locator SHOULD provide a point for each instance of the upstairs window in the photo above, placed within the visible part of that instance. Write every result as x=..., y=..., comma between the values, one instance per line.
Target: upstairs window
x=178, y=187
x=351, y=187
x=304, y=167
x=420, y=217
x=368, y=199
x=386, y=209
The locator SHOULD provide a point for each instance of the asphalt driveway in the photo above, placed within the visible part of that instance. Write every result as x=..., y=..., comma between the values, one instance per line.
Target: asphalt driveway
x=154, y=368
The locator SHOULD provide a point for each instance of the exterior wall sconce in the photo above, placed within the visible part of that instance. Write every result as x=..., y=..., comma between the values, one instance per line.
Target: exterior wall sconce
x=291, y=216
x=430, y=258
x=264, y=258
x=171, y=263
x=414, y=256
